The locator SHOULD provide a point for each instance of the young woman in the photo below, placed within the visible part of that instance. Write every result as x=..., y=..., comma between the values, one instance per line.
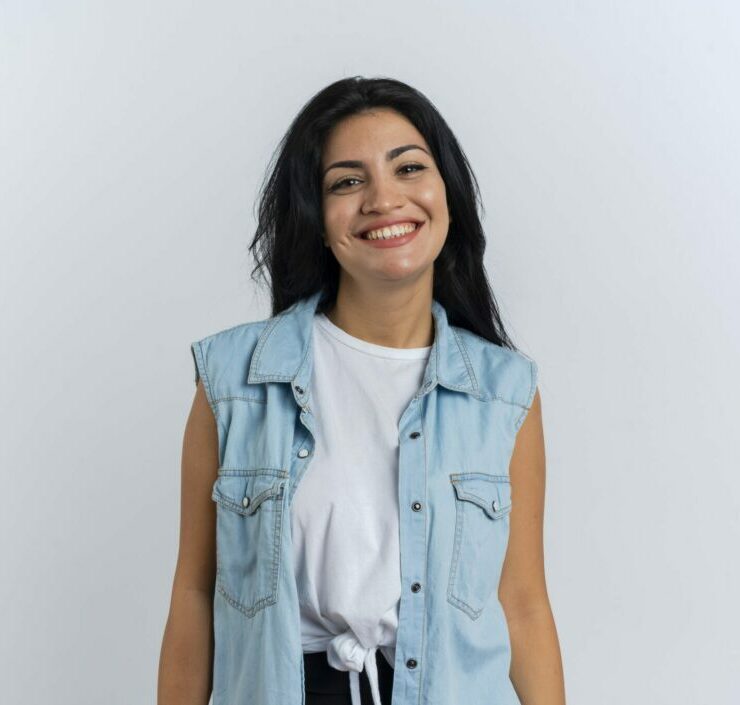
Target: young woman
x=363, y=472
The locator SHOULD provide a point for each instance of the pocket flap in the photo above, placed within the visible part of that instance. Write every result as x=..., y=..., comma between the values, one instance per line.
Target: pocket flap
x=243, y=491
x=492, y=493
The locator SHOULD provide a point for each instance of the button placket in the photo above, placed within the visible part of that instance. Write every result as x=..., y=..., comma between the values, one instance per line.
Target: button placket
x=413, y=456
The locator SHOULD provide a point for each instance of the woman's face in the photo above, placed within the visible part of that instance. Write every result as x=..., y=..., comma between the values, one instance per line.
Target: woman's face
x=392, y=178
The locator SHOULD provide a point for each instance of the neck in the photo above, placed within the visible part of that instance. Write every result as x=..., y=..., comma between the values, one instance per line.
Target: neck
x=398, y=318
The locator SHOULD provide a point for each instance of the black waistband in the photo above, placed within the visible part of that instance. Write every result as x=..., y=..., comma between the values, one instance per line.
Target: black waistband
x=323, y=679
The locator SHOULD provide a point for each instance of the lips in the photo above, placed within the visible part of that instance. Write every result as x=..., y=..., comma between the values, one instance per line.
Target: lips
x=387, y=223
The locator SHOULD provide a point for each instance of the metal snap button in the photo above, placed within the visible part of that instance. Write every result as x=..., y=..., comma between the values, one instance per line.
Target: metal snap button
x=411, y=663
x=415, y=587
x=245, y=501
x=302, y=453
x=414, y=434
x=416, y=506
x=494, y=504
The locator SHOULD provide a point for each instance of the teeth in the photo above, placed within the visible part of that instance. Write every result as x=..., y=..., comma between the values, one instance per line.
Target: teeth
x=390, y=232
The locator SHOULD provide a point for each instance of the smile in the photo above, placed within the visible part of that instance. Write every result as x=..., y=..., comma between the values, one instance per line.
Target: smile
x=392, y=231
x=396, y=235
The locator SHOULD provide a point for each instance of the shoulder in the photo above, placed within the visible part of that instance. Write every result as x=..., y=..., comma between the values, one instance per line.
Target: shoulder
x=221, y=359
x=237, y=336
x=501, y=373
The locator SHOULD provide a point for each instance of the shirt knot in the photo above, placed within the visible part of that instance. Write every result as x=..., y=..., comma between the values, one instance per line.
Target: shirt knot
x=346, y=653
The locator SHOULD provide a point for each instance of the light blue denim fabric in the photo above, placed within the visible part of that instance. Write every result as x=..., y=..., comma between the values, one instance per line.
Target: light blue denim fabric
x=456, y=437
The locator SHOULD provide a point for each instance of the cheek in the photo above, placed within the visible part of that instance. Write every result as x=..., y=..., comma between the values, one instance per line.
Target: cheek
x=433, y=197
x=337, y=220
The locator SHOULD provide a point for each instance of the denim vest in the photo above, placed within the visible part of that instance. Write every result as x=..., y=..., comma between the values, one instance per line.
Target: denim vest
x=455, y=437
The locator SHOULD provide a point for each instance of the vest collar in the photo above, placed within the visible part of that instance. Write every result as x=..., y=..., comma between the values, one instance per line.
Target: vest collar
x=284, y=353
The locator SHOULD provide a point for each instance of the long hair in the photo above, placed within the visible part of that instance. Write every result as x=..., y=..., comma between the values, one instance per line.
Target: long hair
x=288, y=246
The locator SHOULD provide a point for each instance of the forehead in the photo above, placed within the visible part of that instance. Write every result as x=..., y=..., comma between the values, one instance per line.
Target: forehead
x=369, y=135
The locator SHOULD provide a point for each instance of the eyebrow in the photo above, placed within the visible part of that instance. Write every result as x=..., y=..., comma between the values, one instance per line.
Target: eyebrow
x=390, y=155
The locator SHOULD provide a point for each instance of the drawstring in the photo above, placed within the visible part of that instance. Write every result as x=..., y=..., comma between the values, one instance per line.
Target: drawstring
x=346, y=653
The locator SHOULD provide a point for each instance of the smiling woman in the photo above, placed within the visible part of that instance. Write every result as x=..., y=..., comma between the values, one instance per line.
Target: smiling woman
x=376, y=193
x=373, y=448
x=363, y=155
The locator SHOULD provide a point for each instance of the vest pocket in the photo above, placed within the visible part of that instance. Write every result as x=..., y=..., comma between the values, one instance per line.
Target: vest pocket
x=482, y=506
x=249, y=516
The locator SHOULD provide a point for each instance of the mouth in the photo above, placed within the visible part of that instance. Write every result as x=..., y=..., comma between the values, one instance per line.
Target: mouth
x=403, y=227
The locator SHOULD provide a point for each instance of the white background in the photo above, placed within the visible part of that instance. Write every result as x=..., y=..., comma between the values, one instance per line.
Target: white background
x=133, y=139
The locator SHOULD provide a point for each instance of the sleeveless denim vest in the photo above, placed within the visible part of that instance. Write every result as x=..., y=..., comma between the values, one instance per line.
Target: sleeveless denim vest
x=456, y=437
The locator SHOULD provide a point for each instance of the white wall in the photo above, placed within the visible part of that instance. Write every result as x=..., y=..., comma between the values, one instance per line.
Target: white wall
x=133, y=138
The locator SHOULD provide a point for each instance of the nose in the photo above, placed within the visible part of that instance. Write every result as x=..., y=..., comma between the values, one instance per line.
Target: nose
x=381, y=195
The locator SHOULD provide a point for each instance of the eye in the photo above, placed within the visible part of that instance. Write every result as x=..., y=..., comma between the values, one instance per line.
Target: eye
x=344, y=182
x=416, y=167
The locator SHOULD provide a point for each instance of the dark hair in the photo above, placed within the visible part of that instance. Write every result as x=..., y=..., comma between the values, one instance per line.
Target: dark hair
x=288, y=242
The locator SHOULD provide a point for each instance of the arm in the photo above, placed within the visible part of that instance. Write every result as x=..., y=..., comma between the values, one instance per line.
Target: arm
x=536, y=668
x=186, y=657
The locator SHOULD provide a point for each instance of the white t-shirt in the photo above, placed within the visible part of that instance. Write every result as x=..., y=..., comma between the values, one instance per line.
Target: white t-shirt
x=344, y=514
